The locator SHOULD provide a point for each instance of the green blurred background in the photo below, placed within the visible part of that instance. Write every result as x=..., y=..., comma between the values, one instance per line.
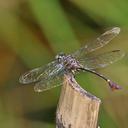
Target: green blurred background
x=32, y=32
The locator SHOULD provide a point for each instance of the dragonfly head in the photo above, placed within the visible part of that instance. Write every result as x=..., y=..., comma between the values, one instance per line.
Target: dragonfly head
x=60, y=56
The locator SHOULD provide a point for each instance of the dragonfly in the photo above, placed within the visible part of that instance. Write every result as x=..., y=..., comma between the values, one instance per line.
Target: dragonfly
x=51, y=75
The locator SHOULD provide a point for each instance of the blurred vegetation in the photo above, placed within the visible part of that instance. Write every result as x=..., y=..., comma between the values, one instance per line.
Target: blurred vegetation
x=32, y=32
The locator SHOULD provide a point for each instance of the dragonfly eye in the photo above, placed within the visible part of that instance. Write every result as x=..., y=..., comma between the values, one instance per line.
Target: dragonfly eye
x=60, y=56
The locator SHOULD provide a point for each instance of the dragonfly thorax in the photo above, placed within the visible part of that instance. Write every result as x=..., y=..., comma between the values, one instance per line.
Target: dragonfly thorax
x=69, y=62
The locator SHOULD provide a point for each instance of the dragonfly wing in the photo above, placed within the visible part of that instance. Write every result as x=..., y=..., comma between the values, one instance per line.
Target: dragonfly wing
x=44, y=85
x=98, y=43
x=103, y=60
x=39, y=73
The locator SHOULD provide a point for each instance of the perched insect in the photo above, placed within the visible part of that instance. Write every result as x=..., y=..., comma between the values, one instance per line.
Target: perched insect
x=51, y=75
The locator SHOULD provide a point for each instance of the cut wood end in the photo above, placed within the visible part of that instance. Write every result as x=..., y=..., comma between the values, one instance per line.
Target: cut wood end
x=70, y=81
x=77, y=108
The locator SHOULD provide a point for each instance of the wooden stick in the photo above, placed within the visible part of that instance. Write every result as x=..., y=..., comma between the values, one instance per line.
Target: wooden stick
x=77, y=108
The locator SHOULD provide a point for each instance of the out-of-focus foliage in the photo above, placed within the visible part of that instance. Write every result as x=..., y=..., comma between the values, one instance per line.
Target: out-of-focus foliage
x=32, y=32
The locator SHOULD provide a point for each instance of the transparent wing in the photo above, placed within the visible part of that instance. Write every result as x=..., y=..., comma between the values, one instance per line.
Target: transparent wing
x=103, y=60
x=40, y=73
x=49, y=83
x=98, y=43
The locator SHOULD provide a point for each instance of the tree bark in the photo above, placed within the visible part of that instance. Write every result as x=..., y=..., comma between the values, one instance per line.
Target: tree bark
x=77, y=108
